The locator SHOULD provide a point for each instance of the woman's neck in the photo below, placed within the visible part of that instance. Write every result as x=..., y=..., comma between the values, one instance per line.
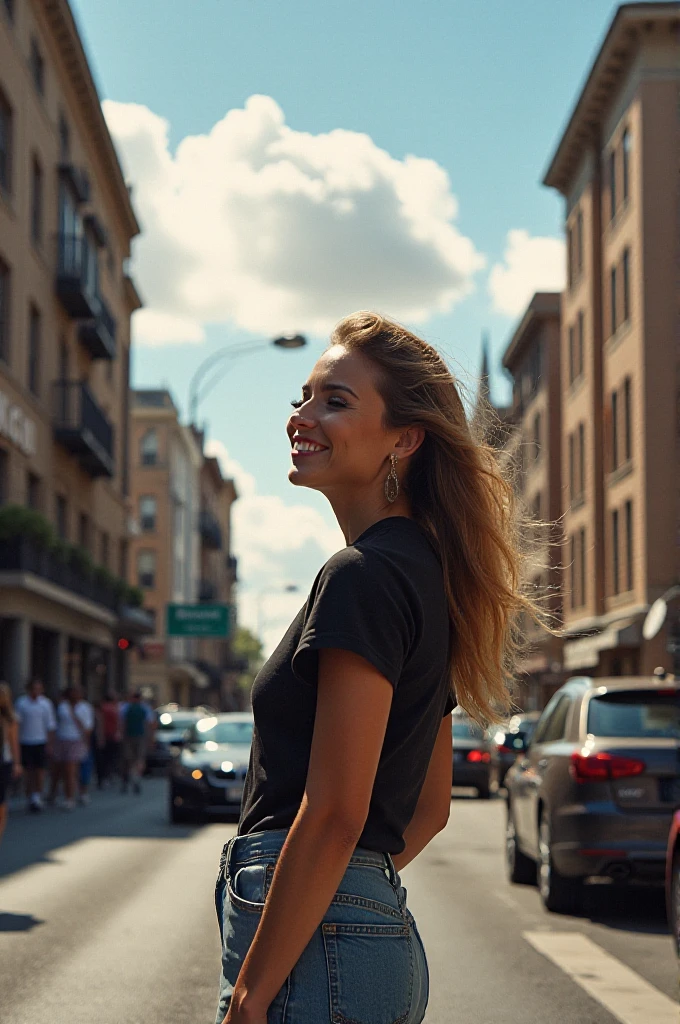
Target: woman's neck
x=356, y=517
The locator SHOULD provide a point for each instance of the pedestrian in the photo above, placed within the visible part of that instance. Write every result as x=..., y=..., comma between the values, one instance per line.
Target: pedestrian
x=37, y=725
x=75, y=721
x=136, y=722
x=351, y=759
x=84, y=712
x=108, y=731
x=10, y=758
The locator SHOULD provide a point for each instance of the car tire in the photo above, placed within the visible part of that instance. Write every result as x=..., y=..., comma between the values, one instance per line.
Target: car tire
x=559, y=895
x=520, y=868
x=674, y=908
x=484, y=792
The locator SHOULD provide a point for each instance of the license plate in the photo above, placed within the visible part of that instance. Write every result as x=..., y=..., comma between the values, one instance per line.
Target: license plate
x=233, y=794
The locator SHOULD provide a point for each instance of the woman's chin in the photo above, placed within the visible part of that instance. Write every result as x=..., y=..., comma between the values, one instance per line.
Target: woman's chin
x=302, y=477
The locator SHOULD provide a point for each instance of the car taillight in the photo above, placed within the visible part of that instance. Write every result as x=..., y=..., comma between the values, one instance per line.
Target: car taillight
x=596, y=767
x=478, y=755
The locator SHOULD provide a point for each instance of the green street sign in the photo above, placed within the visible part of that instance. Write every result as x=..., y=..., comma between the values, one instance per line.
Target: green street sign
x=209, y=620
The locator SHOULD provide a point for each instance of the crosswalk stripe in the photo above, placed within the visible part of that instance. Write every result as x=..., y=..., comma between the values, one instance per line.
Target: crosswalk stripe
x=626, y=995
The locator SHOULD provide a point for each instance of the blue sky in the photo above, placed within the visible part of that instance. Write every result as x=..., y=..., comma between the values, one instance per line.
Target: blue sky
x=480, y=90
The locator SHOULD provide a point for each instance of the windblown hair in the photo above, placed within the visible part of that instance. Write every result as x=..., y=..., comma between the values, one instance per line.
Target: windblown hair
x=462, y=499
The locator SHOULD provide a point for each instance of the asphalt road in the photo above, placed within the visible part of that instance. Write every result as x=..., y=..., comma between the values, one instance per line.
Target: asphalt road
x=106, y=914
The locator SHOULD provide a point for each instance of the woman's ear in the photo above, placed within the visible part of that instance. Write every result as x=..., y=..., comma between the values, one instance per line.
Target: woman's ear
x=409, y=442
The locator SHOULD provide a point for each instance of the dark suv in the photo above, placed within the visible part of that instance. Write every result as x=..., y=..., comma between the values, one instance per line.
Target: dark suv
x=595, y=791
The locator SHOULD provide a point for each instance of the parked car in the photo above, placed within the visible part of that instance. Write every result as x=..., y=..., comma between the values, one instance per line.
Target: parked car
x=208, y=772
x=172, y=728
x=471, y=757
x=508, y=741
x=595, y=792
x=673, y=880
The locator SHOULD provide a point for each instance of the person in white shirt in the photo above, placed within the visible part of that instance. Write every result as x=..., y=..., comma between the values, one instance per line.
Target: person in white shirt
x=37, y=725
x=75, y=722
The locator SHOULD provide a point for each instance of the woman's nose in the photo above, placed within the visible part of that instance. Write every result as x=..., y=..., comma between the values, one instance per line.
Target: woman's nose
x=302, y=418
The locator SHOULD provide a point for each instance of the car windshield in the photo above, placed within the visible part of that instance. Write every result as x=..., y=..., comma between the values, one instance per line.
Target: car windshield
x=463, y=730
x=169, y=721
x=212, y=730
x=635, y=713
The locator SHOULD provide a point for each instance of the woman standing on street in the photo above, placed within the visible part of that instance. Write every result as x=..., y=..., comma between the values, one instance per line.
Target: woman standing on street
x=351, y=761
x=10, y=761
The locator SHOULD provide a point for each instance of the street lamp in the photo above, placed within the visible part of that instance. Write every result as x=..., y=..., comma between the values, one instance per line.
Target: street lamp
x=196, y=392
x=289, y=588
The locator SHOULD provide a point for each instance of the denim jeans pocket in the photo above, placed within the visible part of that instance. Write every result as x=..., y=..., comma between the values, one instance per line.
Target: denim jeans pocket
x=370, y=972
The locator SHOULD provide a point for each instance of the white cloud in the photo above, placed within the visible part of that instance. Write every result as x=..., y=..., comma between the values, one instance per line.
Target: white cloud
x=529, y=265
x=278, y=230
x=277, y=544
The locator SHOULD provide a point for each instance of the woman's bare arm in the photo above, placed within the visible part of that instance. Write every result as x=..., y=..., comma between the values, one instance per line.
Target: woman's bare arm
x=432, y=810
x=353, y=705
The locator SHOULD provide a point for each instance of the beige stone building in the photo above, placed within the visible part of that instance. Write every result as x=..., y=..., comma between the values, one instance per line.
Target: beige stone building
x=616, y=165
x=66, y=222
x=533, y=360
x=180, y=553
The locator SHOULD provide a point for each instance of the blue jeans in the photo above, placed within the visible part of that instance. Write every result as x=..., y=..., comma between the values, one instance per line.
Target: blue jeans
x=365, y=963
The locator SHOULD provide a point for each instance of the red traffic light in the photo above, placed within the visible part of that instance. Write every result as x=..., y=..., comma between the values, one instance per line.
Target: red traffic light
x=123, y=644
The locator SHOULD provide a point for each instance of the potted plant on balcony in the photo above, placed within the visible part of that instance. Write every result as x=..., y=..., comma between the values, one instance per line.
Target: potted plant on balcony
x=25, y=539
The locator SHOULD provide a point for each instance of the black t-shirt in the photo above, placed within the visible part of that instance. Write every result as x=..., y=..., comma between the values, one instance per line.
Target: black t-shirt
x=382, y=598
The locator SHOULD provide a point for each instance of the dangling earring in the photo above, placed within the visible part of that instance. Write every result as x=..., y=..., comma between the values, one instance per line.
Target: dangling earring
x=392, y=482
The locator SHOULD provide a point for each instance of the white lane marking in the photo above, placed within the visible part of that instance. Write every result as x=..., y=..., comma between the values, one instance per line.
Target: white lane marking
x=626, y=995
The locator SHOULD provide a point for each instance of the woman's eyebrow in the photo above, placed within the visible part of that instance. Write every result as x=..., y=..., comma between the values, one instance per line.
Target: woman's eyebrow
x=339, y=387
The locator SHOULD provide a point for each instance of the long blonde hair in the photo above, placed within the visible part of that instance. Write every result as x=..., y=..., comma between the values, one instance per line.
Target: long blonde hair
x=459, y=495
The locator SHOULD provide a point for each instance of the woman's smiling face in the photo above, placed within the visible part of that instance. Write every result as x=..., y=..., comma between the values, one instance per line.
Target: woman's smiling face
x=337, y=431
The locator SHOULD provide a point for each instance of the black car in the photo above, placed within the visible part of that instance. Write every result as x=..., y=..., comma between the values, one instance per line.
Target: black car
x=173, y=725
x=471, y=756
x=208, y=773
x=594, y=795
x=507, y=741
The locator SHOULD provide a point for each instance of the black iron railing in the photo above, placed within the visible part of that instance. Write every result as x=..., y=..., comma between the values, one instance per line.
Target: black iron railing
x=81, y=426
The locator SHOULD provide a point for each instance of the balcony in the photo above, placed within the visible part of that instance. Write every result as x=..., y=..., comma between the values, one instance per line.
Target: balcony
x=98, y=334
x=207, y=591
x=209, y=528
x=82, y=428
x=21, y=555
x=77, y=276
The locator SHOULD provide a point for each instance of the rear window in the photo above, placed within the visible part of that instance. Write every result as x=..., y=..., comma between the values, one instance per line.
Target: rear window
x=635, y=713
x=466, y=731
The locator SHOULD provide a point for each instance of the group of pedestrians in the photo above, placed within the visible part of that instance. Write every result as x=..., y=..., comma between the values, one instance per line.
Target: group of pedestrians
x=70, y=742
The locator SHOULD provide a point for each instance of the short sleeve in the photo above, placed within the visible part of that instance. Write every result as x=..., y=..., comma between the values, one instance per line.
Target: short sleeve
x=359, y=603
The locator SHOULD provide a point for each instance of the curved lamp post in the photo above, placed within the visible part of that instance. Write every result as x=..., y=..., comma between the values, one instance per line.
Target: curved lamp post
x=198, y=388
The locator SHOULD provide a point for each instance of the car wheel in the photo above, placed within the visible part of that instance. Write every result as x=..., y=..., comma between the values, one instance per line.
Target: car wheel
x=521, y=869
x=675, y=902
x=558, y=894
x=484, y=791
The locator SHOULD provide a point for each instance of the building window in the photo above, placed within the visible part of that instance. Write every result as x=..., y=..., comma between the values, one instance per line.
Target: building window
x=581, y=460
x=64, y=140
x=37, y=67
x=34, y=330
x=572, y=570
x=4, y=311
x=61, y=514
x=537, y=506
x=84, y=530
x=146, y=569
x=577, y=564
x=580, y=342
x=572, y=356
x=33, y=491
x=36, y=202
x=582, y=565
x=612, y=300
x=625, y=151
x=104, y=559
x=615, y=552
x=4, y=476
x=627, y=421
x=579, y=241
x=149, y=448
x=615, y=430
x=6, y=144
x=628, y=513
x=570, y=257
x=572, y=467
x=625, y=273
x=612, y=184
x=147, y=513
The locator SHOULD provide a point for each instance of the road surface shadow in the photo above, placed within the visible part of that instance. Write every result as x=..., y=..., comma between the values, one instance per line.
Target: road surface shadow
x=33, y=838
x=18, y=922
x=641, y=910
